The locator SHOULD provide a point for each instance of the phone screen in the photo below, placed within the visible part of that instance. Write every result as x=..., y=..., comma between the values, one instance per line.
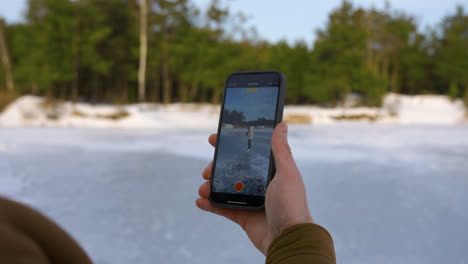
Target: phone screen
x=244, y=149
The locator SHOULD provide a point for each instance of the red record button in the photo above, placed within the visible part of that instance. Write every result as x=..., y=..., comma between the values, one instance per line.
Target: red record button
x=239, y=186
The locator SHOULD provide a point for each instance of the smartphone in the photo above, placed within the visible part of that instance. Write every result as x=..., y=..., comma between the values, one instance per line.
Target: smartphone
x=243, y=163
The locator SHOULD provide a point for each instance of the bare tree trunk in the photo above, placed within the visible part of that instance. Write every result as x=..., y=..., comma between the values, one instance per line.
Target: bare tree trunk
x=195, y=85
x=6, y=59
x=125, y=91
x=167, y=89
x=394, y=79
x=34, y=88
x=143, y=49
x=215, y=97
x=62, y=92
x=76, y=61
x=157, y=86
x=194, y=90
x=385, y=67
x=183, y=92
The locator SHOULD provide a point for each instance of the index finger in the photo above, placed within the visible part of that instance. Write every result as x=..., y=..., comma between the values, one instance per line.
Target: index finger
x=212, y=140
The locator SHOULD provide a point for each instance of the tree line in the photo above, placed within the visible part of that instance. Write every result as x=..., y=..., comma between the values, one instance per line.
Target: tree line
x=237, y=119
x=119, y=51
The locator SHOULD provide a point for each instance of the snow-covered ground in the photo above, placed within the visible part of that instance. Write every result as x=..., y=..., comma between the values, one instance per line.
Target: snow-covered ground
x=387, y=193
x=34, y=111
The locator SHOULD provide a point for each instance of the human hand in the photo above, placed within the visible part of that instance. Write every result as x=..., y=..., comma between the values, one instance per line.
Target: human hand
x=285, y=201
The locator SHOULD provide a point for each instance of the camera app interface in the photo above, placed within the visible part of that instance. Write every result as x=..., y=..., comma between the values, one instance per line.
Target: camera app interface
x=244, y=148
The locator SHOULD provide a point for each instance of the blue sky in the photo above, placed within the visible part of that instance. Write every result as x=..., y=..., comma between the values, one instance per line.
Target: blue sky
x=12, y=10
x=298, y=19
x=295, y=19
x=253, y=104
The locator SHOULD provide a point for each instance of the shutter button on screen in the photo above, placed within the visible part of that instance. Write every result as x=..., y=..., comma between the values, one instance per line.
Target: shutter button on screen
x=239, y=186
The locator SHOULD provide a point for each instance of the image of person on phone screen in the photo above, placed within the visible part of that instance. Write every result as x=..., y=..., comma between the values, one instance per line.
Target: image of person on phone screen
x=250, y=136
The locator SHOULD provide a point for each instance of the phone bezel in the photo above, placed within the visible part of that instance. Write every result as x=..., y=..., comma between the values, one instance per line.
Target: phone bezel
x=251, y=202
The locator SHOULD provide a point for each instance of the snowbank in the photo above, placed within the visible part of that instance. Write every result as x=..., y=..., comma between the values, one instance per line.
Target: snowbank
x=36, y=112
x=424, y=109
x=397, y=109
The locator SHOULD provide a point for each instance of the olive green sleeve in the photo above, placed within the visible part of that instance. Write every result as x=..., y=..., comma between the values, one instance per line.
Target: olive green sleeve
x=26, y=236
x=304, y=243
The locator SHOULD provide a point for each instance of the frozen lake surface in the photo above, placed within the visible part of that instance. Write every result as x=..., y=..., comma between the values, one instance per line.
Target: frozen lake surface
x=387, y=194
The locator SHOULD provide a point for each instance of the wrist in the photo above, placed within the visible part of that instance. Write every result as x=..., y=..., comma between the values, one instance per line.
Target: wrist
x=304, y=219
x=275, y=232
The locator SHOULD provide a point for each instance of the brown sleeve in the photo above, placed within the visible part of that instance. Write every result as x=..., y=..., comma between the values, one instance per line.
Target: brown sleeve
x=304, y=243
x=26, y=236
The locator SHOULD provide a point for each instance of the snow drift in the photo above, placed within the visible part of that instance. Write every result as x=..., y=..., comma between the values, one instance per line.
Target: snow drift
x=396, y=109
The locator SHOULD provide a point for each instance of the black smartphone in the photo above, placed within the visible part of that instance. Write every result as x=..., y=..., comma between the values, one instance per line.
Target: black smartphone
x=243, y=163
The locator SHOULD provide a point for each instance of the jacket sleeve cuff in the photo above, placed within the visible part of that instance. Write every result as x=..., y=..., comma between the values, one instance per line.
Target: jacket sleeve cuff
x=303, y=241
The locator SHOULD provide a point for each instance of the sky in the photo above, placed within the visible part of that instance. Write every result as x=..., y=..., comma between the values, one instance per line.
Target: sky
x=254, y=105
x=294, y=19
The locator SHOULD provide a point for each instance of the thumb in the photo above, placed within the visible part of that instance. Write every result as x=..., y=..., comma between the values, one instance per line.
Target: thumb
x=284, y=160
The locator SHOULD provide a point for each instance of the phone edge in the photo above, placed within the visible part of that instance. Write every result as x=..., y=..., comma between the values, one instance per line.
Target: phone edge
x=278, y=119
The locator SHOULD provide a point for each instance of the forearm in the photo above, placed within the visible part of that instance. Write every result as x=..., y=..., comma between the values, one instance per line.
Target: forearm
x=304, y=243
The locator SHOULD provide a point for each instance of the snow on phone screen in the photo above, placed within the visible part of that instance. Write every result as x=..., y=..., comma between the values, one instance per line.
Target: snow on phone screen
x=244, y=149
